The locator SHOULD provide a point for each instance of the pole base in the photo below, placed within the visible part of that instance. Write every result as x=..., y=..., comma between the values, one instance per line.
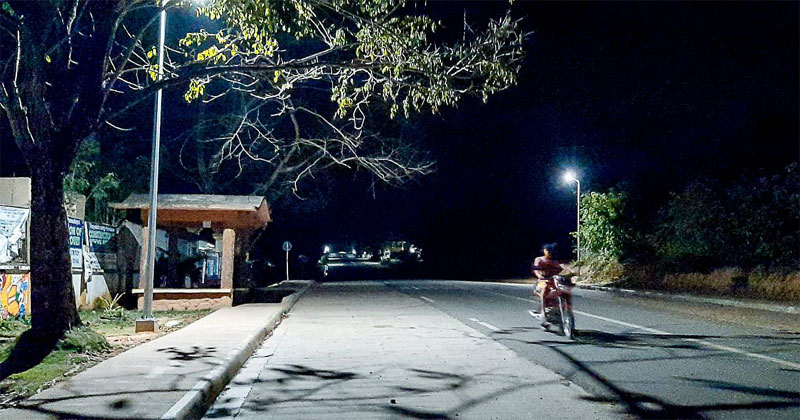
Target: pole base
x=146, y=325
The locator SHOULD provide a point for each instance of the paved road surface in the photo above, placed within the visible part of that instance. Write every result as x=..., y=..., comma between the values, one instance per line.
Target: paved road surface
x=655, y=363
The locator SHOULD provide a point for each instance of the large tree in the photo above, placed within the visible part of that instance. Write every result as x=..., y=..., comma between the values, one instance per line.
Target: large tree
x=72, y=68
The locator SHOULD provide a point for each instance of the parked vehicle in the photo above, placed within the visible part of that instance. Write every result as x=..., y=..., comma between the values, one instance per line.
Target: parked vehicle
x=558, y=304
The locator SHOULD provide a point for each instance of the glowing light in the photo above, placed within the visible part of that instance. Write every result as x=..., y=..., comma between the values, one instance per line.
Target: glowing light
x=327, y=249
x=570, y=176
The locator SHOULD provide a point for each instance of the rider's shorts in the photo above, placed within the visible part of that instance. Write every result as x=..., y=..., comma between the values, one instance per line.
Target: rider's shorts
x=541, y=286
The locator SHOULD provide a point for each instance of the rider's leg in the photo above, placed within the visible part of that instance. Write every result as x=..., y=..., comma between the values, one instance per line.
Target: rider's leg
x=541, y=311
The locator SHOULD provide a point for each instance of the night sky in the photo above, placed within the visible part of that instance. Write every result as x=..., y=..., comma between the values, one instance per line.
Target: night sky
x=652, y=95
x=648, y=94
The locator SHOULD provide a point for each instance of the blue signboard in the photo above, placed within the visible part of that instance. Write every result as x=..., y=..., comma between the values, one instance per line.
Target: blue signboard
x=101, y=237
x=212, y=266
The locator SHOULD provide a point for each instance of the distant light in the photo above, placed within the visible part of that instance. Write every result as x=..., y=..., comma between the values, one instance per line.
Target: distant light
x=570, y=176
x=327, y=249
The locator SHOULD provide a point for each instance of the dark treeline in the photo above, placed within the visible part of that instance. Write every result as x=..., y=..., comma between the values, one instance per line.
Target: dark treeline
x=749, y=222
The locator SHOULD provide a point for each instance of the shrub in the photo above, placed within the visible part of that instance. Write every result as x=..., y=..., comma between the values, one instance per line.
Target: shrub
x=643, y=276
x=111, y=308
x=603, y=229
x=600, y=269
x=774, y=285
x=718, y=281
x=83, y=340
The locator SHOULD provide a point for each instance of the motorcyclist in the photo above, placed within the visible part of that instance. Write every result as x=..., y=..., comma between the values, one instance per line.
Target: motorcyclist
x=543, y=268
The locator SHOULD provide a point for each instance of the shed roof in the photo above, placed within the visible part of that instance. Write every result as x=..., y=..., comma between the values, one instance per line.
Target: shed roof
x=193, y=202
x=193, y=210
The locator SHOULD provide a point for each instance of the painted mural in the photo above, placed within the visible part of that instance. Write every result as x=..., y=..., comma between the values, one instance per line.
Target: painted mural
x=15, y=295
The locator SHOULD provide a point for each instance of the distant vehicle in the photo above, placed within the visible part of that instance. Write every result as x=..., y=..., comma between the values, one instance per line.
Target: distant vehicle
x=400, y=252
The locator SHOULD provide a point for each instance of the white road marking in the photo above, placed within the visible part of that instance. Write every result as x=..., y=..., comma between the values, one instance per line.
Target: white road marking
x=692, y=340
x=427, y=299
x=627, y=324
x=744, y=353
x=485, y=324
x=698, y=341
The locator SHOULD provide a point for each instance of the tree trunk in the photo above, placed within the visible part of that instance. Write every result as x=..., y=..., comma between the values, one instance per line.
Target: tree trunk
x=53, y=310
x=52, y=295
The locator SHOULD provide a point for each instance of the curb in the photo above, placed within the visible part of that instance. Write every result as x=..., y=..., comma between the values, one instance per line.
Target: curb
x=697, y=299
x=195, y=403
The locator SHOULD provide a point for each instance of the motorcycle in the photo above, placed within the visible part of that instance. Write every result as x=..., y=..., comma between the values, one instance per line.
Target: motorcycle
x=558, y=304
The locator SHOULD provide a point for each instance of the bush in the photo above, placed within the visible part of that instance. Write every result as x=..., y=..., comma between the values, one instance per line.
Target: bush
x=600, y=269
x=83, y=340
x=603, y=229
x=774, y=285
x=755, y=220
x=720, y=281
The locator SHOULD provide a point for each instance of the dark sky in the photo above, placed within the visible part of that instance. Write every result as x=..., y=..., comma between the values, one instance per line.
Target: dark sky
x=650, y=94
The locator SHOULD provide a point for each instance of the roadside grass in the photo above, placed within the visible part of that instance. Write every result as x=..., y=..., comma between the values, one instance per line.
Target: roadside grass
x=103, y=335
x=776, y=285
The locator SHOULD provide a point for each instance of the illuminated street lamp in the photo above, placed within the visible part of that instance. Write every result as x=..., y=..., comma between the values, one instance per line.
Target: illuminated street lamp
x=570, y=176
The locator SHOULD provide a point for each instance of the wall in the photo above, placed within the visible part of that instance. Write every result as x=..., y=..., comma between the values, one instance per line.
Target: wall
x=15, y=295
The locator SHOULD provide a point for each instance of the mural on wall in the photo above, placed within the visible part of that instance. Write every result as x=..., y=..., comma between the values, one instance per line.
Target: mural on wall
x=15, y=295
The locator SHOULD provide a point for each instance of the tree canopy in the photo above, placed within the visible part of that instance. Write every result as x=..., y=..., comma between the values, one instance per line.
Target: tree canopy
x=302, y=78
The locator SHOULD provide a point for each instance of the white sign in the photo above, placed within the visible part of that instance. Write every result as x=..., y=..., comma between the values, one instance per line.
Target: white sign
x=76, y=257
x=75, y=231
x=287, y=246
x=12, y=230
x=91, y=261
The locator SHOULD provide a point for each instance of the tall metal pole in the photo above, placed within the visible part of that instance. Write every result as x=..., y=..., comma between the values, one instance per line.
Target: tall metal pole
x=151, y=222
x=579, y=219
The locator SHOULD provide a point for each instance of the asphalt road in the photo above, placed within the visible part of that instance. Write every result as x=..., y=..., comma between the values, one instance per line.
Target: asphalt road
x=657, y=363
x=650, y=360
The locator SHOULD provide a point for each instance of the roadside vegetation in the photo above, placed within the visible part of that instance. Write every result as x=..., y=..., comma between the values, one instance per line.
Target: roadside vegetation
x=737, y=238
x=104, y=333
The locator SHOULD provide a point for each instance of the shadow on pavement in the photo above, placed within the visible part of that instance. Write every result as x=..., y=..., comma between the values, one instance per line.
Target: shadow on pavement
x=304, y=384
x=651, y=407
x=194, y=353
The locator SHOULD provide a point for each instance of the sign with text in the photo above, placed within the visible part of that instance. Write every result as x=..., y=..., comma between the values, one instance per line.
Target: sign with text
x=13, y=234
x=212, y=266
x=75, y=231
x=101, y=237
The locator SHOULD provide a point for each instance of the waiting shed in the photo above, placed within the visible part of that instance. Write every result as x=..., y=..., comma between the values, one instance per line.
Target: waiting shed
x=234, y=217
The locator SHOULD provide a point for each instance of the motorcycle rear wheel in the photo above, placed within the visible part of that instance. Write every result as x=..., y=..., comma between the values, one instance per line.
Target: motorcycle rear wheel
x=567, y=318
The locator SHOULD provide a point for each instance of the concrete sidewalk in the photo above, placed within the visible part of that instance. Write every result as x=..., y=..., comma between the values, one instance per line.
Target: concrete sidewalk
x=362, y=350
x=173, y=377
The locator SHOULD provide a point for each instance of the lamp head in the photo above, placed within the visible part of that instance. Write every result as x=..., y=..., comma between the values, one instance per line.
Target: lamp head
x=570, y=176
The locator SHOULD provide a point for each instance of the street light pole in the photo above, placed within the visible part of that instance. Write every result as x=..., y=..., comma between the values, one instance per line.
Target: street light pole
x=151, y=222
x=570, y=176
x=579, y=220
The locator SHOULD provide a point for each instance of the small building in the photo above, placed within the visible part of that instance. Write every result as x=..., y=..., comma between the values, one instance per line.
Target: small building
x=228, y=224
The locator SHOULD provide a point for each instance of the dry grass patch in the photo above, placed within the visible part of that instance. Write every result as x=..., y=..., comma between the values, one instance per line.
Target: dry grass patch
x=780, y=286
x=720, y=281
